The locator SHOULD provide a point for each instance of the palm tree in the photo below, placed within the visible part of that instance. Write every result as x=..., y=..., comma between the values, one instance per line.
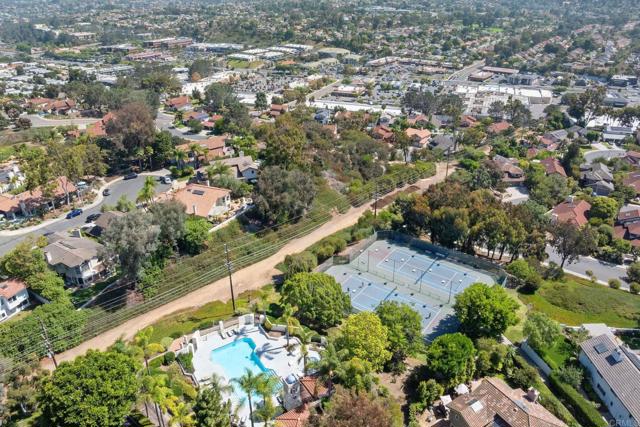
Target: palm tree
x=197, y=150
x=179, y=116
x=266, y=388
x=292, y=322
x=249, y=383
x=305, y=340
x=328, y=364
x=148, y=151
x=148, y=191
x=140, y=156
x=145, y=394
x=180, y=156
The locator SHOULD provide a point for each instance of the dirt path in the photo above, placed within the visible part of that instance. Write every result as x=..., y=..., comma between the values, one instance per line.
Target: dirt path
x=249, y=278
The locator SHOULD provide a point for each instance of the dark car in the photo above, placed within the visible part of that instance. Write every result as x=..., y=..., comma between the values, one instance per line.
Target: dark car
x=74, y=213
x=131, y=175
x=106, y=192
x=93, y=217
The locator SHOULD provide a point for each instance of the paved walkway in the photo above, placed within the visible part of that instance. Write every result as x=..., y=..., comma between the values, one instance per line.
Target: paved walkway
x=249, y=278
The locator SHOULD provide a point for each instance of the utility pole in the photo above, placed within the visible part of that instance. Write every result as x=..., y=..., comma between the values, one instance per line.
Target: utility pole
x=47, y=343
x=228, y=263
x=375, y=204
x=447, y=172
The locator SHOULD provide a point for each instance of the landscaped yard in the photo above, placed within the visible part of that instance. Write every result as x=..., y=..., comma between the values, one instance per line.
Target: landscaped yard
x=80, y=296
x=184, y=322
x=557, y=355
x=514, y=333
x=575, y=301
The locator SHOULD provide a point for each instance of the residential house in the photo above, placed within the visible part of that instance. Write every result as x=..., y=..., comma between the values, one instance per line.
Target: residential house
x=322, y=117
x=498, y=127
x=200, y=116
x=442, y=142
x=102, y=223
x=10, y=177
x=29, y=203
x=628, y=224
x=77, y=259
x=52, y=106
x=14, y=297
x=617, y=134
x=494, y=403
x=441, y=120
x=546, y=144
x=203, y=201
x=243, y=168
x=467, y=121
x=556, y=137
x=180, y=103
x=383, y=132
x=99, y=128
x=417, y=119
x=552, y=166
x=598, y=177
x=419, y=137
x=633, y=180
x=300, y=396
x=512, y=173
x=213, y=147
x=573, y=211
x=633, y=158
x=278, y=109
x=614, y=372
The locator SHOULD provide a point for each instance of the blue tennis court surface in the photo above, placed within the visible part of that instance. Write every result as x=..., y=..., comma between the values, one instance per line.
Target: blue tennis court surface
x=366, y=294
x=426, y=281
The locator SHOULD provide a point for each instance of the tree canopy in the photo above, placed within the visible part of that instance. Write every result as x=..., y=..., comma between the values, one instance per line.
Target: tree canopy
x=364, y=336
x=98, y=389
x=485, y=311
x=451, y=359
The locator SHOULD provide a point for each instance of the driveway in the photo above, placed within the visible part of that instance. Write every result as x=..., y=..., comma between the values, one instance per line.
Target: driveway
x=129, y=188
x=41, y=122
x=164, y=122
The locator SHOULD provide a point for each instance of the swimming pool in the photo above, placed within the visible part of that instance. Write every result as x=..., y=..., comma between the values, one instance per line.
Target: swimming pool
x=237, y=356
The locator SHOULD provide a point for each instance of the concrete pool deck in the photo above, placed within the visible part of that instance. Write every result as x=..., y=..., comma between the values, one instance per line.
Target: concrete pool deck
x=271, y=351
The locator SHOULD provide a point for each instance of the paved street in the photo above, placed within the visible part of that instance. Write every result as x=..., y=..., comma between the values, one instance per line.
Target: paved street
x=164, y=121
x=602, y=270
x=41, y=122
x=130, y=188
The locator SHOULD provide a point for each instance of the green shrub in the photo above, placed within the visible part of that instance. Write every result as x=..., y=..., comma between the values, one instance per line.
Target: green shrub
x=169, y=358
x=303, y=262
x=584, y=411
x=166, y=342
x=634, y=288
x=614, y=283
x=186, y=360
x=267, y=324
x=361, y=233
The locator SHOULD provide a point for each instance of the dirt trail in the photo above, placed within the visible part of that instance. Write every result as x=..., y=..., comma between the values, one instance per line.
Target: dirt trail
x=249, y=278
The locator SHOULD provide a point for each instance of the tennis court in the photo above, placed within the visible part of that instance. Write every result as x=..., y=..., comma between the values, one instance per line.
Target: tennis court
x=367, y=292
x=425, y=280
x=425, y=272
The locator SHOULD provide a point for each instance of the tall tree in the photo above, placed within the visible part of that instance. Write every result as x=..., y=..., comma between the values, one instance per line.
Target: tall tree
x=285, y=143
x=148, y=190
x=451, y=359
x=404, y=326
x=364, y=336
x=210, y=409
x=98, y=389
x=485, y=311
x=249, y=383
x=261, y=101
x=281, y=195
x=541, y=331
x=570, y=242
x=132, y=128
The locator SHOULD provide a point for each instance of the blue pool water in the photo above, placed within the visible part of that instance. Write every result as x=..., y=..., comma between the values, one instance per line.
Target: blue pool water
x=237, y=356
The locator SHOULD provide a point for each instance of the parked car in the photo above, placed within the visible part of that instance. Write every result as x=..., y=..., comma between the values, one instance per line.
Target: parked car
x=93, y=217
x=106, y=192
x=131, y=175
x=166, y=179
x=74, y=213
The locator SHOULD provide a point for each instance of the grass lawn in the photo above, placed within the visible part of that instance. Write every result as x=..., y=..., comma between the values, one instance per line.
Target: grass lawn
x=514, y=333
x=184, y=322
x=495, y=30
x=575, y=301
x=558, y=354
x=80, y=296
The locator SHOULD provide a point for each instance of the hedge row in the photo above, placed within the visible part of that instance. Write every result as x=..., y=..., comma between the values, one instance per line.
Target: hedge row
x=581, y=408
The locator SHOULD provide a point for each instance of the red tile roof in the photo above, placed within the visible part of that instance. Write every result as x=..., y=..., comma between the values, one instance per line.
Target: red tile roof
x=499, y=127
x=10, y=288
x=573, y=212
x=294, y=418
x=553, y=166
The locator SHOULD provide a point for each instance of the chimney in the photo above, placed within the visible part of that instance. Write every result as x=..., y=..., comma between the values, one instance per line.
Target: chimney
x=533, y=394
x=194, y=209
x=570, y=199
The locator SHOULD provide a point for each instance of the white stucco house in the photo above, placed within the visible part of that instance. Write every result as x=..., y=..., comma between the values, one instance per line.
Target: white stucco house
x=614, y=371
x=14, y=298
x=76, y=259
